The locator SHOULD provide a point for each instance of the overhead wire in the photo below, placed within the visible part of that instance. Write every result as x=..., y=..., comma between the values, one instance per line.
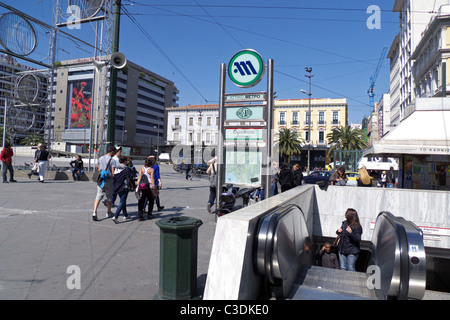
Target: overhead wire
x=165, y=55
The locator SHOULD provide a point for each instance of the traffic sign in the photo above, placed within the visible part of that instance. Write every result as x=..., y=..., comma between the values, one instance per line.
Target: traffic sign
x=246, y=68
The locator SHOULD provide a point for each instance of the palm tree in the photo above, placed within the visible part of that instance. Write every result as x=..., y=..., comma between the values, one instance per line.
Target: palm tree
x=346, y=138
x=32, y=140
x=288, y=143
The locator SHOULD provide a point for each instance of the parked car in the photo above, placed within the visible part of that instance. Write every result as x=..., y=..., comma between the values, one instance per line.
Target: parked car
x=317, y=176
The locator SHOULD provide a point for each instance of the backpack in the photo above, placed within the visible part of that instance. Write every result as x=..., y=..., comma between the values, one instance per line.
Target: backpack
x=144, y=183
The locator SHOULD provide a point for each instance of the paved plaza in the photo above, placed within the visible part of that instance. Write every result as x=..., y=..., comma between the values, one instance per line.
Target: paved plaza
x=47, y=228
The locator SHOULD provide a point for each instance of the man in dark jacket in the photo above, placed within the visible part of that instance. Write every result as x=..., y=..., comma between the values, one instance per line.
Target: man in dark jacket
x=297, y=176
x=6, y=157
x=327, y=258
x=285, y=177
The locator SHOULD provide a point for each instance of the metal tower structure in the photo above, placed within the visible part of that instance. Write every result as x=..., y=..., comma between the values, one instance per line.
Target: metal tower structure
x=374, y=77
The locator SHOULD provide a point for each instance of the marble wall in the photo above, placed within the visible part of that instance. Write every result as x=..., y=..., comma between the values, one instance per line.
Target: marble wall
x=231, y=275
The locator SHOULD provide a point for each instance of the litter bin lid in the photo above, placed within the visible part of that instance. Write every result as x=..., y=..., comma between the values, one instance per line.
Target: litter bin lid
x=179, y=223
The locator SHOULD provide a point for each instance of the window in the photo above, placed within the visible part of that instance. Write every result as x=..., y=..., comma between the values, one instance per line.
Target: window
x=335, y=117
x=191, y=121
x=321, y=137
x=294, y=118
x=282, y=118
x=307, y=118
x=199, y=121
x=208, y=137
x=321, y=117
x=177, y=121
x=208, y=121
x=307, y=136
x=217, y=121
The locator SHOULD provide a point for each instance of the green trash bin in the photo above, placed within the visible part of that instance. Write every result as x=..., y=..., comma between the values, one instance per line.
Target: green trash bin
x=178, y=258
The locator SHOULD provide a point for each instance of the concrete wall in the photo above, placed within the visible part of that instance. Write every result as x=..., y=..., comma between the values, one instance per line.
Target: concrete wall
x=231, y=275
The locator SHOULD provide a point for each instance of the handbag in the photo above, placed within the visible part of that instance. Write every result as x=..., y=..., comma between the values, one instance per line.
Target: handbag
x=35, y=167
x=213, y=178
x=337, y=240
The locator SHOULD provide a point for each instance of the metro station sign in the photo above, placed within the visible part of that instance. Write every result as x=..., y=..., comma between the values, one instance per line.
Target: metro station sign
x=246, y=68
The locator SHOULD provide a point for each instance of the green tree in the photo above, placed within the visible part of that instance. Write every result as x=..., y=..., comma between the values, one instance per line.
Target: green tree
x=32, y=140
x=288, y=143
x=346, y=138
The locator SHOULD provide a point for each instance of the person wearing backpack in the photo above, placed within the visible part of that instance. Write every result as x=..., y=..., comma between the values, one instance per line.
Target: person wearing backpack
x=106, y=166
x=145, y=184
x=123, y=183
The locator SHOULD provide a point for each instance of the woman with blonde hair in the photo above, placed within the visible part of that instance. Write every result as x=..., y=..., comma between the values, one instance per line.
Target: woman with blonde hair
x=363, y=178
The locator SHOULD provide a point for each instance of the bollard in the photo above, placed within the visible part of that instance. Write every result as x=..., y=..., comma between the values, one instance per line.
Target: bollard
x=178, y=258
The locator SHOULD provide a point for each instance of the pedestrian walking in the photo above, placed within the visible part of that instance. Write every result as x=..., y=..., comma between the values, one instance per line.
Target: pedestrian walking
x=42, y=160
x=123, y=183
x=145, y=188
x=105, y=185
x=274, y=179
x=212, y=172
x=6, y=157
x=77, y=168
x=158, y=183
x=349, y=245
x=189, y=167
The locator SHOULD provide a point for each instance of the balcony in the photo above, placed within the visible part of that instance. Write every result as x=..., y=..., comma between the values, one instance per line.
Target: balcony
x=335, y=123
x=176, y=127
x=321, y=123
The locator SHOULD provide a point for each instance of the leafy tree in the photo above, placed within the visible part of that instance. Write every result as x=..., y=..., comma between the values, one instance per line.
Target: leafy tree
x=346, y=138
x=32, y=140
x=288, y=143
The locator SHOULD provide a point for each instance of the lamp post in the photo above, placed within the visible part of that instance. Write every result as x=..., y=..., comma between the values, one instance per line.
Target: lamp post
x=309, y=117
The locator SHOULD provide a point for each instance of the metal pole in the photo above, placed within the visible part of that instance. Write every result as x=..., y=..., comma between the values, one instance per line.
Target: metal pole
x=91, y=134
x=269, y=148
x=220, y=144
x=310, y=118
x=4, y=122
x=113, y=78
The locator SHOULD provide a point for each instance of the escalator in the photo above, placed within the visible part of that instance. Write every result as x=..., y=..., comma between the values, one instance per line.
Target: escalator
x=283, y=257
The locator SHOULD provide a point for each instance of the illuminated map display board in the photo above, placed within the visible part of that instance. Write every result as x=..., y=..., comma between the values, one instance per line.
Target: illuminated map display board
x=242, y=165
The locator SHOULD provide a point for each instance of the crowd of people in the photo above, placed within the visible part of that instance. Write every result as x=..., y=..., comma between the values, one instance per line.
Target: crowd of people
x=118, y=176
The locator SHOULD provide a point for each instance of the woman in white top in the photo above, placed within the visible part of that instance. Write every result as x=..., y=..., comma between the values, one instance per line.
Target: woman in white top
x=145, y=192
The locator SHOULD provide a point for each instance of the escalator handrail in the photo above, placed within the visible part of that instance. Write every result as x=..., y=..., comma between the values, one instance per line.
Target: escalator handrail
x=402, y=238
x=276, y=214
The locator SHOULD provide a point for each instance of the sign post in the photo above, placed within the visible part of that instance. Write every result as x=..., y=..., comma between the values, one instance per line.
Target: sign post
x=245, y=147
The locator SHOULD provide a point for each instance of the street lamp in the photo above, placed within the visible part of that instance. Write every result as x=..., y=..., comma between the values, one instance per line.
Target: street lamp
x=309, y=116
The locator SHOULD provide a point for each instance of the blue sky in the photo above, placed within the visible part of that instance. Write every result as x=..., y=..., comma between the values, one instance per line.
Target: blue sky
x=187, y=40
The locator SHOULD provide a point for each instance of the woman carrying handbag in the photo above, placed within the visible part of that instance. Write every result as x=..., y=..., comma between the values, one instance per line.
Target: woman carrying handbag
x=350, y=239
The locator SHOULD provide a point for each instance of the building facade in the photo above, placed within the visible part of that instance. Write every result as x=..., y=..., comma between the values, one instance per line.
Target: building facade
x=431, y=57
x=326, y=115
x=193, y=124
x=142, y=97
x=414, y=16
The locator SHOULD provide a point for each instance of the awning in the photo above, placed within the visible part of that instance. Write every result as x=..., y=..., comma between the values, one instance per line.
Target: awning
x=425, y=132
